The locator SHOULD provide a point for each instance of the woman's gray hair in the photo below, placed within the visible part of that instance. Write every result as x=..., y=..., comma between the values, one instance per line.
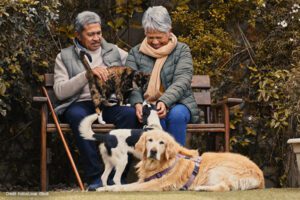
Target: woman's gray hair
x=157, y=18
x=84, y=18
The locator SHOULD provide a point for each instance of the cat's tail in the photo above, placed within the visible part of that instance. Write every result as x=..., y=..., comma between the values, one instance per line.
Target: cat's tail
x=85, y=127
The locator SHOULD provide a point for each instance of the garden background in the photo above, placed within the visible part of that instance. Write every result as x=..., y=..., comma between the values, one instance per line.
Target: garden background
x=250, y=49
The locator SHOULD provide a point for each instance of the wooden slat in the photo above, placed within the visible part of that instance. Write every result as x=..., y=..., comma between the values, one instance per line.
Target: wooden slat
x=39, y=99
x=49, y=80
x=199, y=126
x=200, y=81
x=104, y=128
x=101, y=128
x=207, y=130
x=202, y=98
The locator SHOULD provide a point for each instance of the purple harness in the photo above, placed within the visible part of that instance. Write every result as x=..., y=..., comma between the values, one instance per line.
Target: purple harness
x=194, y=173
x=192, y=177
x=163, y=172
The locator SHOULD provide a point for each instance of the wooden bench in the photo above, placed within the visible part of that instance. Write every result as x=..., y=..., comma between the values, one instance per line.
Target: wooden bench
x=216, y=120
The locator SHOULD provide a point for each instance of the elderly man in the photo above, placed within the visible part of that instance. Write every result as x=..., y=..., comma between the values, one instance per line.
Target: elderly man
x=71, y=87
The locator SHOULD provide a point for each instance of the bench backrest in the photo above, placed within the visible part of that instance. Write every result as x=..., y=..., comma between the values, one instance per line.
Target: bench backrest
x=201, y=89
x=200, y=86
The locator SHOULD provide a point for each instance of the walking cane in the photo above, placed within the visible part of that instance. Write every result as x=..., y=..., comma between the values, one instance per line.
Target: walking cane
x=62, y=137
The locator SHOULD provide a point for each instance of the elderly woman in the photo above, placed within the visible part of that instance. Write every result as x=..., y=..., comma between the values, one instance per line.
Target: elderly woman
x=171, y=67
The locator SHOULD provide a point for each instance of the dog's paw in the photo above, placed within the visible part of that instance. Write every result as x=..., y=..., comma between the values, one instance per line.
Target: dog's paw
x=100, y=120
x=112, y=188
x=102, y=189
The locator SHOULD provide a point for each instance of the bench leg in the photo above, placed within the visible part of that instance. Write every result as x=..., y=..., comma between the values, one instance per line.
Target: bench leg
x=43, y=148
x=227, y=127
x=188, y=139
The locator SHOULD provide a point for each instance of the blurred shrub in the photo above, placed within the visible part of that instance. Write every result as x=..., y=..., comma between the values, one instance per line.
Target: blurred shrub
x=249, y=48
x=26, y=48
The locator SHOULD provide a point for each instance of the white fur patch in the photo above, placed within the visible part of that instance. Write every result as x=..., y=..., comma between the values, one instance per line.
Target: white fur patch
x=100, y=119
x=85, y=127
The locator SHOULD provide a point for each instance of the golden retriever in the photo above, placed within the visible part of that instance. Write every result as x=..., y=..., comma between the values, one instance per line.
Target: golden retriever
x=216, y=172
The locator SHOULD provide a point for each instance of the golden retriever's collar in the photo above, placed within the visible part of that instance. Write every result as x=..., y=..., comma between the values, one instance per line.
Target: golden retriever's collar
x=162, y=173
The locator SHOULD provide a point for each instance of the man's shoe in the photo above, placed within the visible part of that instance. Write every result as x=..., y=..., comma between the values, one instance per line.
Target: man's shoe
x=110, y=182
x=94, y=184
x=123, y=181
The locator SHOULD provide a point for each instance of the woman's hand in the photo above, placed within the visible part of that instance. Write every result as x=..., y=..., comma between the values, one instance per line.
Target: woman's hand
x=139, y=111
x=161, y=109
x=101, y=72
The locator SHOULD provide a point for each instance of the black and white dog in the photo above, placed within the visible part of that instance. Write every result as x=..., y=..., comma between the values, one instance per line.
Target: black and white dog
x=115, y=146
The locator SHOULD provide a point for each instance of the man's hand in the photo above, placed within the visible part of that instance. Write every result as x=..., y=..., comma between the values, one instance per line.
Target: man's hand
x=161, y=109
x=101, y=72
x=139, y=111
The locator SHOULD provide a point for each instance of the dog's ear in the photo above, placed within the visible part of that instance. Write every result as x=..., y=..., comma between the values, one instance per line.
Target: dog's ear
x=172, y=149
x=146, y=113
x=140, y=146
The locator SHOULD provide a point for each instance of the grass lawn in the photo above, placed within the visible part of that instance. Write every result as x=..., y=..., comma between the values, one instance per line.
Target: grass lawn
x=266, y=194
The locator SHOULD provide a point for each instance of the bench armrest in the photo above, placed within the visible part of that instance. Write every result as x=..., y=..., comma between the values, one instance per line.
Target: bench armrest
x=40, y=99
x=230, y=102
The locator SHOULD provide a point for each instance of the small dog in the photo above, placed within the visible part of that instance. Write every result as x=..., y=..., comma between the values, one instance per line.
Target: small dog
x=115, y=146
x=164, y=168
x=121, y=81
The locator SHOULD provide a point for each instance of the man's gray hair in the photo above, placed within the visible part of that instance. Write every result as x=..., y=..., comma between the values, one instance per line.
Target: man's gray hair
x=157, y=18
x=85, y=18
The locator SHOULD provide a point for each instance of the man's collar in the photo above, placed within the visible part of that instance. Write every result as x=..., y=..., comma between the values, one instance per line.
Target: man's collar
x=79, y=48
x=104, y=45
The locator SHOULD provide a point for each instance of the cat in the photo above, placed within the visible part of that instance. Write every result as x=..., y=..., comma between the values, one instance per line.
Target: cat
x=121, y=81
